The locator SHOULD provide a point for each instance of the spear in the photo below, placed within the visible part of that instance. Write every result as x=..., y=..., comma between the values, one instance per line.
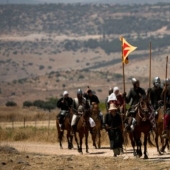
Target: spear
x=166, y=75
x=150, y=56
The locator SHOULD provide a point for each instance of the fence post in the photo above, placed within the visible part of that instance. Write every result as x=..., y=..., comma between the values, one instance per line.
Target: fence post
x=48, y=122
x=24, y=122
x=12, y=122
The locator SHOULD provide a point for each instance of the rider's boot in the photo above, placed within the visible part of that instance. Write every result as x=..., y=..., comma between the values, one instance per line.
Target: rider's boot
x=61, y=127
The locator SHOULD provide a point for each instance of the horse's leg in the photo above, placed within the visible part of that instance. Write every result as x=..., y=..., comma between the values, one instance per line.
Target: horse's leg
x=99, y=139
x=156, y=141
x=86, y=138
x=94, y=136
x=138, y=143
x=69, y=139
x=164, y=146
x=132, y=143
x=75, y=137
x=145, y=145
x=81, y=142
x=60, y=139
x=60, y=134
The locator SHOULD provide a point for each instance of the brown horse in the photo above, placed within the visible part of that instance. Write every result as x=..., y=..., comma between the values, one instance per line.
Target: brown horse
x=82, y=128
x=159, y=130
x=95, y=116
x=143, y=125
x=67, y=127
x=160, y=122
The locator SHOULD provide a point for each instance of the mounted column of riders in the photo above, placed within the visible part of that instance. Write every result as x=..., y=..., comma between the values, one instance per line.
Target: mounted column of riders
x=115, y=104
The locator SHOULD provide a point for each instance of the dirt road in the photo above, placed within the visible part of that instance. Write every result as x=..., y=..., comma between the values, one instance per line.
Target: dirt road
x=49, y=156
x=54, y=149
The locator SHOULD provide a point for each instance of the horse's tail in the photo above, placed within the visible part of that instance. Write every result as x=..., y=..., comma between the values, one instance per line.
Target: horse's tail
x=149, y=139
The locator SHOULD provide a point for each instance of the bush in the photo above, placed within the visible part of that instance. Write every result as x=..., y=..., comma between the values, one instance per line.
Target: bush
x=41, y=67
x=48, y=106
x=10, y=103
x=38, y=103
x=27, y=104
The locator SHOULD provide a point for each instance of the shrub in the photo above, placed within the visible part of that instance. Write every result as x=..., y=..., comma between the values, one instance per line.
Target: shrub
x=10, y=103
x=41, y=67
x=27, y=104
x=38, y=103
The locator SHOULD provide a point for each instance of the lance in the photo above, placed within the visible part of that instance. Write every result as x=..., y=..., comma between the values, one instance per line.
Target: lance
x=165, y=89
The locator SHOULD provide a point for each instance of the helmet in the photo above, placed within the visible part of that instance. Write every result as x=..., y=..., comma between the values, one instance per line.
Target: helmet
x=79, y=91
x=134, y=81
x=157, y=81
x=65, y=93
x=167, y=82
x=110, y=90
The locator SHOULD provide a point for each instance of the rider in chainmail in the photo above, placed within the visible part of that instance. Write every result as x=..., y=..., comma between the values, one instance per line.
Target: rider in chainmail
x=133, y=98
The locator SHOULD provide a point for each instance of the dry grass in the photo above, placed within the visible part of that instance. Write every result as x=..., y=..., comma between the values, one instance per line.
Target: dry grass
x=8, y=114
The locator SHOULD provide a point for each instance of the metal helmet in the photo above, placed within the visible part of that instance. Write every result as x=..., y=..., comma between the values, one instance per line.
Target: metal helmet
x=110, y=90
x=134, y=81
x=79, y=91
x=167, y=82
x=157, y=81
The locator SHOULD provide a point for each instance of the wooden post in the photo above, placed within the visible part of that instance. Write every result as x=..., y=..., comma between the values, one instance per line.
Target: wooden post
x=12, y=122
x=48, y=122
x=24, y=122
x=150, y=49
x=164, y=93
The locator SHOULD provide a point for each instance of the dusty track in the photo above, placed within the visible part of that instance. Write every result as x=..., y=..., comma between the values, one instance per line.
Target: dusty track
x=45, y=156
x=54, y=149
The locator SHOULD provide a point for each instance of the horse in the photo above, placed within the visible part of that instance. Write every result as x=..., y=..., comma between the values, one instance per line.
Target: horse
x=159, y=130
x=82, y=128
x=95, y=116
x=67, y=127
x=164, y=141
x=143, y=125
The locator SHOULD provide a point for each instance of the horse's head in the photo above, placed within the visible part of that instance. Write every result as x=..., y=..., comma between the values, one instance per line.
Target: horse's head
x=143, y=106
x=86, y=113
x=95, y=108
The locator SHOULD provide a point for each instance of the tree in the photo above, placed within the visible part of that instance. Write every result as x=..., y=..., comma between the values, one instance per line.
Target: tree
x=27, y=104
x=10, y=103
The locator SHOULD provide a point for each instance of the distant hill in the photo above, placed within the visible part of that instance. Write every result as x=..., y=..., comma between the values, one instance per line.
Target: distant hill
x=48, y=48
x=83, y=1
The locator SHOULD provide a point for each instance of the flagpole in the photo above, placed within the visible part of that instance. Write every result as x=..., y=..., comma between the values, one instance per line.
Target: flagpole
x=166, y=75
x=150, y=49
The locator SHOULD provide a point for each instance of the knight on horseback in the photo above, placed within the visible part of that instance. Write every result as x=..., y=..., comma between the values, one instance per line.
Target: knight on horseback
x=92, y=98
x=133, y=98
x=64, y=104
x=155, y=94
x=166, y=96
x=80, y=103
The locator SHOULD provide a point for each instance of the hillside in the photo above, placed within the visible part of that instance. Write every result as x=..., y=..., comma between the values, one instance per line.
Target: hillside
x=82, y=1
x=81, y=43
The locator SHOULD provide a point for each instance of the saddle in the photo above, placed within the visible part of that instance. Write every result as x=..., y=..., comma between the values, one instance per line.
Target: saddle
x=62, y=115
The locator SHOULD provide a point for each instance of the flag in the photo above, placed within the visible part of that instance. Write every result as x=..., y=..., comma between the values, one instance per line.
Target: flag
x=126, y=50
